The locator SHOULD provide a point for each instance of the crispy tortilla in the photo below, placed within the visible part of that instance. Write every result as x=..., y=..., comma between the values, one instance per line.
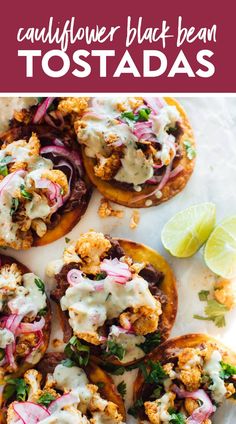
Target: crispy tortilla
x=24, y=366
x=66, y=224
x=142, y=253
x=171, y=348
x=135, y=199
x=95, y=375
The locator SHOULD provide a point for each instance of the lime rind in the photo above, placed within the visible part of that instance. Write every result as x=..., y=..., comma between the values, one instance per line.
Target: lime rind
x=188, y=230
x=220, y=250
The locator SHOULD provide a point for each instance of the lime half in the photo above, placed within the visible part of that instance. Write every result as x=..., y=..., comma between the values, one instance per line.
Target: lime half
x=220, y=250
x=185, y=233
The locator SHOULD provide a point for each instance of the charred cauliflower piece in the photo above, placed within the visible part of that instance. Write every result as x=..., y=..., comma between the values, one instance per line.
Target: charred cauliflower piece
x=58, y=177
x=159, y=408
x=33, y=378
x=225, y=293
x=107, y=168
x=144, y=320
x=10, y=277
x=190, y=367
x=73, y=105
x=91, y=249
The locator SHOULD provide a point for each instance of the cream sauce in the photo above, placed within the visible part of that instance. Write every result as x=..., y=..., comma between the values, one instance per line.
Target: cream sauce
x=213, y=369
x=89, y=309
x=28, y=299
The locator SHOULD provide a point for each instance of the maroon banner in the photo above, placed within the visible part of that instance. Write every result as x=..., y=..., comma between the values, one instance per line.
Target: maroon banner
x=123, y=46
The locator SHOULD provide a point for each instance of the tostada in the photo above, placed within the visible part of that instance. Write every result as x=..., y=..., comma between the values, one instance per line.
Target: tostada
x=116, y=297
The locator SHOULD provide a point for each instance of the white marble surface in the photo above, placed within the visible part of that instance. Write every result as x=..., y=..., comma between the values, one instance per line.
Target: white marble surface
x=214, y=123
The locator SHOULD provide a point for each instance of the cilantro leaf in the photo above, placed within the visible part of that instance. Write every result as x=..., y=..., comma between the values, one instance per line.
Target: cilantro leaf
x=143, y=114
x=100, y=384
x=77, y=352
x=215, y=312
x=152, y=340
x=134, y=410
x=203, y=295
x=227, y=370
x=14, y=205
x=100, y=276
x=2, y=353
x=122, y=389
x=153, y=372
x=42, y=312
x=45, y=399
x=18, y=387
x=40, y=284
x=25, y=193
x=114, y=349
x=191, y=152
x=3, y=165
x=68, y=363
x=177, y=418
x=67, y=240
x=156, y=393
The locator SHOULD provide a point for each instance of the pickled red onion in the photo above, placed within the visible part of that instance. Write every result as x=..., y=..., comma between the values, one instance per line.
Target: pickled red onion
x=116, y=269
x=200, y=414
x=61, y=402
x=42, y=109
x=26, y=327
x=29, y=412
x=74, y=276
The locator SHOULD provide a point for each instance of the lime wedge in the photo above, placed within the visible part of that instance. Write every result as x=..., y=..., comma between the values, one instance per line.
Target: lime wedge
x=185, y=233
x=220, y=250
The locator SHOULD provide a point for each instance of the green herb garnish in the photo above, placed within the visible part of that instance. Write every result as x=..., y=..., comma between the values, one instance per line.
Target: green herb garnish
x=227, y=370
x=77, y=352
x=153, y=372
x=40, y=284
x=100, y=384
x=100, y=276
x=42, y=312
x=68, y=363
x=46, y=399
x=130, y=118
x=114, y=349
x=156, y=393
x=191, y=152
x=3, y=165
x=215, y=312
x=14, y=205
x=67, y=240
x=18, y=387
x=134, y=410
x=25, y=193
x=152, y=340
x=2, y=354
x=122, y=389
x=177, y=418
x=203, y=295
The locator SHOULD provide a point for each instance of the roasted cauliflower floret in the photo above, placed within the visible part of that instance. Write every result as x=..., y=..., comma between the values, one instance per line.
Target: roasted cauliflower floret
x=73, y=104
x=144, y=319
x=32, y=147
x=33, y=378
x=225, y=293
x=190, y=366
x=39, y=226
x=92, y=338
x=108, y=414
x=92, y=248
x=10, y=277
x=155, y=410
x=107, y=168
x=58, y=177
